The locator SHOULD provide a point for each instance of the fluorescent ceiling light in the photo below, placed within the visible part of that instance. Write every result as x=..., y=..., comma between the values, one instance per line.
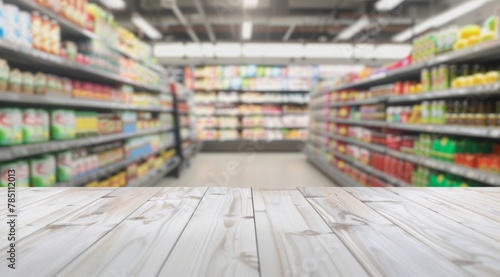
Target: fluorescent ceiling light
x=341, y=51
x=387, y=5
x=246, y=30
x=328, y=50
x=440, y=19
x=272, y=50
x=253, y=50
x=392, y=51
x=250, y=4
x=193, y=50
x=284, y=50
x=114, y=4
x=145, y=27
x=169, y=50
x=363, y=51
x=355, y=28
x=227, y=50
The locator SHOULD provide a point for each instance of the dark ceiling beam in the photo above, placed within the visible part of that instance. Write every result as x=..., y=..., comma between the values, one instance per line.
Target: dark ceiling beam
x=208, y=27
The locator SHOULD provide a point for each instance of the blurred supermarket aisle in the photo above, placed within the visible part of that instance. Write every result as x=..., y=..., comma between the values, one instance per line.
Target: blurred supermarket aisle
x=264, y=170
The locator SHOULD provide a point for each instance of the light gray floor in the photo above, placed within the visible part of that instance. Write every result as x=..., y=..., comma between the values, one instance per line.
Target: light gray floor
x=263, y=170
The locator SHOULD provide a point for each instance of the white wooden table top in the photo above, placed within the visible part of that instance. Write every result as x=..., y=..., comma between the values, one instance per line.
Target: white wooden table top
x=255, y=232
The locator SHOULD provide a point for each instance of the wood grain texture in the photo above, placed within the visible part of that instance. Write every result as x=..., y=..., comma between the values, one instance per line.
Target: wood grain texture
x=50, y=249
x=294, y=240
x=477, y=222
x=372, y=194
x=3, y=190
x=111, y=209
x=219, y=240
x=474, y=202
x=477, y=254
x=260, y=232
x=39, y=214
x=28, y=198
x=380, y=247
x=140, y=244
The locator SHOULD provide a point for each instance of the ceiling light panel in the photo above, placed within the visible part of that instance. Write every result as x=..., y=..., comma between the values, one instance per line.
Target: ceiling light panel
x=145, y=26
x=250, y=4
x=354, y=29
x=387, y=5
x=169, y=50
x=114, y=4
x=328, y=50
x=246, y=30
x=227, y=50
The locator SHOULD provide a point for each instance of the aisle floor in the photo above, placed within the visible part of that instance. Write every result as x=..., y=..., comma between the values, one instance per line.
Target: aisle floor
x=262, y=170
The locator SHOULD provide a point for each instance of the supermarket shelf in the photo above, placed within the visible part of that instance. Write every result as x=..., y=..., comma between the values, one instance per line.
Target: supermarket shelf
x=374, y=100
x=367, y=168
x=251, y=114
x=36, y=58
x=25, y=150
x=462, y=171
x=107, y=170
x=251, y=103
x=155, y=176
x=458, y=170
x=483, y=52
x=253, y=127
x=337, y=176
x=183, y=113
x=252, y=90
x=252, y=146
x=66, y=102
x=484, y=132
x=152, y=66
x=373, y=147
x=370, y=123
x=492, y=89
x=66, y=25
x=71, y=28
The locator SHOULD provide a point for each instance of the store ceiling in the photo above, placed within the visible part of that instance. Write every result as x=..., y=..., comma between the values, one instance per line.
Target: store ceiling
x=274, y=20
x=191, y=28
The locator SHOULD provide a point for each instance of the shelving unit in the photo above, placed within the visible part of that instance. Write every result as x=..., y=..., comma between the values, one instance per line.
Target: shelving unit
x=187, y=146
x=476, y=54
x=479, y=53
x=35, y=60
x=107, y=170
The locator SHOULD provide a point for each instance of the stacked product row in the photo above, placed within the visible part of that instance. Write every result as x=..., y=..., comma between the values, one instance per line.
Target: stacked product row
x=78, y=163
x=286, y=127
x=24, y=126
x=435, y=124
x=251, y=77
x=39, y=32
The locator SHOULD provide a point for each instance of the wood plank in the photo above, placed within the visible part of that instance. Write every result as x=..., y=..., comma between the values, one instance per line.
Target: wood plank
x=477, y=254
x=372, y=194
x=341, y=208
x=294, y=240
x=39, y=214
x=53, y=247
x=383, y=249
x=141, y=243
x=111, y=209
x=219, y=240
x=3, y=190
x=487, y=200
x=477, y=222
x=473, y=202
x=29, y=196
